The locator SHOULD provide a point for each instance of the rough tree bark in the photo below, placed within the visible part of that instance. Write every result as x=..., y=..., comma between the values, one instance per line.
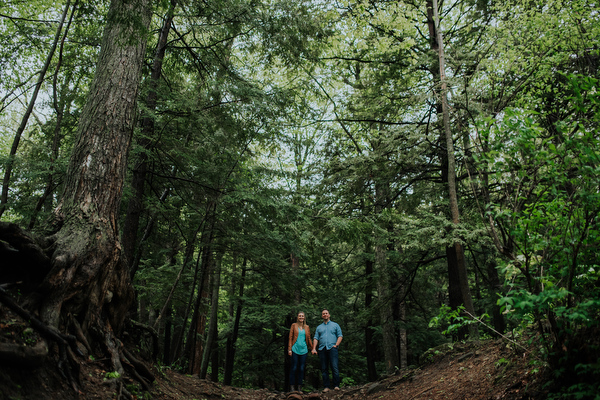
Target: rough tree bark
x=88, y=276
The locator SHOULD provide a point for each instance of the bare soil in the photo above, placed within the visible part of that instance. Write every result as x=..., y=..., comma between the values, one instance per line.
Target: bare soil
x=492, y=369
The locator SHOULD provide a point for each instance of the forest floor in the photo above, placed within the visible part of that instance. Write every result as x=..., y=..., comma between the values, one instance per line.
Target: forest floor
x=488, y=370
x=491, y=369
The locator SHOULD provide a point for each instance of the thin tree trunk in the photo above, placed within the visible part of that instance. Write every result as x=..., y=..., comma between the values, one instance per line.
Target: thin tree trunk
x=167, y=342
x=189, y=253
x=211, y=338
x=385, y=303
x=135, y=205
x=214, y=359
x=386, y=313
x=452, y=193
x=59, y=109
x=496, y=288
x=369, y=329
x=295, y=267
x=195, y=345
x=178, y=342
x=402, y=335
x=137, y=255
x=232, y=339
x=15, y=145
x=198, y=328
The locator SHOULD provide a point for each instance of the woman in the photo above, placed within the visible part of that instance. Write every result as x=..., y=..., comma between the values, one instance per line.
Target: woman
x=298, y=347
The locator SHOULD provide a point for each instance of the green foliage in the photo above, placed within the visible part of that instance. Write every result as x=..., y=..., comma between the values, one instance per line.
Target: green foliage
x=112, y=375
x=309, y=129
x=553, y=171
x=453, y=319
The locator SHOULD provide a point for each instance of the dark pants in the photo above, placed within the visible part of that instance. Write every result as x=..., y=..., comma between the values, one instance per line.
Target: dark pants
x=297, y=367
x=329, y=358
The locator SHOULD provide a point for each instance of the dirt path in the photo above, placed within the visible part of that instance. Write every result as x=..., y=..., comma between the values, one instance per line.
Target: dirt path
x=488, y=371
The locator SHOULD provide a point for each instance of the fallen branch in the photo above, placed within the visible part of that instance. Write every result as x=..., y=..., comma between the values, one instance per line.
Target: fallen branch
x=495, y=331
x=421, y=392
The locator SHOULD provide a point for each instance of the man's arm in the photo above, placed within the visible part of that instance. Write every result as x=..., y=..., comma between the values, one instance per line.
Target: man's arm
x=315, y=344
x=338, y=341
x=339, y=337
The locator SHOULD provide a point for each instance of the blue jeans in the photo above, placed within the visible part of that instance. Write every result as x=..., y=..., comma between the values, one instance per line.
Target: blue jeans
x=330, y=358
x=298, y=362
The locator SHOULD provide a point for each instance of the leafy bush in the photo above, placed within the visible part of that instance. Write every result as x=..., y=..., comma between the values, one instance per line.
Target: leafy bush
x=548, y=218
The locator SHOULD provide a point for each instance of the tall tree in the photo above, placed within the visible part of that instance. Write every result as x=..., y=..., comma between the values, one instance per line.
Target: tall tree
x=457, y=269
x=88, y=276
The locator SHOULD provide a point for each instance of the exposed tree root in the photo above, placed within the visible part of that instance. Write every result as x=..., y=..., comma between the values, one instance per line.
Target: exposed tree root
x=79, y=333
x=27, y=356
x=63, y=341
x=123, y=361
x=139, y=366
x=133, y=371
x=19, y=248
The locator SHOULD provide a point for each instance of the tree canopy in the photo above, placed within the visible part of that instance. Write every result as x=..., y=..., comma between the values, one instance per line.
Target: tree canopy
x=197, y=173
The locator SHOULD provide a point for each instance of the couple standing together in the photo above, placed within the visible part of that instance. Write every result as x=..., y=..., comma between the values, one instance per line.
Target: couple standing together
x=328, y=337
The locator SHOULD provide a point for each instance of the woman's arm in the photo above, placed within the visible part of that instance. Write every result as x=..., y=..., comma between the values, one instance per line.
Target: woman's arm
x=291, y=338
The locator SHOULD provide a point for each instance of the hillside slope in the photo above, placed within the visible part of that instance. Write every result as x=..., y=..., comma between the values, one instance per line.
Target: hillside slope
x=488, y=370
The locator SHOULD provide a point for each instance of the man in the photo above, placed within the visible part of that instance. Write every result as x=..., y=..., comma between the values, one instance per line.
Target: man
x=328, y=337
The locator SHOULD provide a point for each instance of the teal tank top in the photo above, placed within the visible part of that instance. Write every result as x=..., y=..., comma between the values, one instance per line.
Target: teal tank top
x=300, y=346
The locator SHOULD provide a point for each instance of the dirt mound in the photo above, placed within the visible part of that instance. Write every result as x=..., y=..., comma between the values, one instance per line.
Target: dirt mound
x=487, y=370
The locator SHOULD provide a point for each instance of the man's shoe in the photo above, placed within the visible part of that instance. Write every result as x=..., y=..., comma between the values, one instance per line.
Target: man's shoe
x=325, y=390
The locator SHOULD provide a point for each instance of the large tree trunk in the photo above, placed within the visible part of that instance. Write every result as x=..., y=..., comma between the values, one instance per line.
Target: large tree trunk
x=89, y=278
